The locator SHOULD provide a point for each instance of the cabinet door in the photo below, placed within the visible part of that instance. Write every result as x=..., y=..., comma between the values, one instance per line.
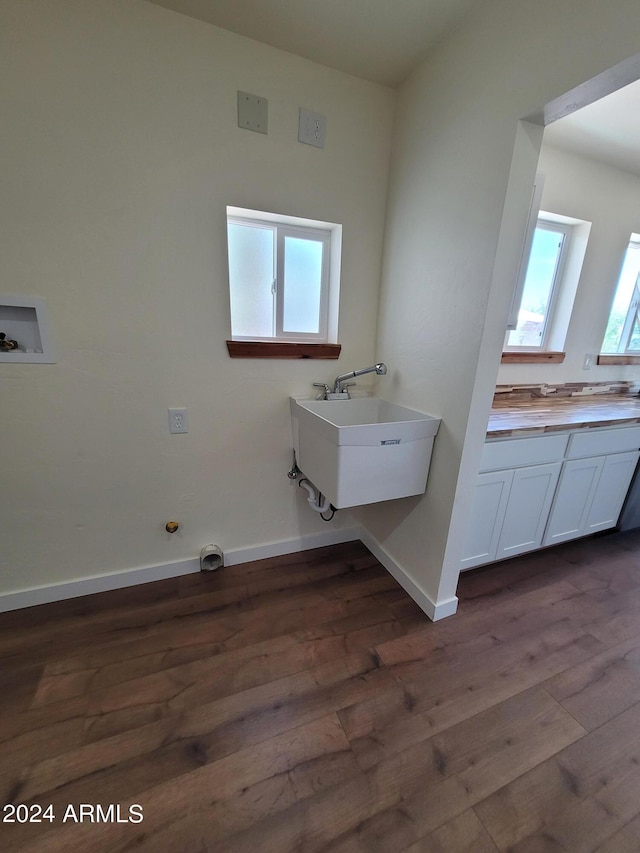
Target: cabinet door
x=487, y=513
x=528, y=508
x=578, y=482
x=611, y=491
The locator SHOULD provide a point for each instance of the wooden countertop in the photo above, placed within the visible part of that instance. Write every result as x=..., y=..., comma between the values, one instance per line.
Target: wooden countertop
x=542, y=414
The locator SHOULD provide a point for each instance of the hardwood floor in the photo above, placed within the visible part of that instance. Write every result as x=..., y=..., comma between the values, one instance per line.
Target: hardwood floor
x=305, y=704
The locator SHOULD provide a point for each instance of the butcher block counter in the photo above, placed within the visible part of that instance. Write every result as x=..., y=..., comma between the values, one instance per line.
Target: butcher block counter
x=533, y=410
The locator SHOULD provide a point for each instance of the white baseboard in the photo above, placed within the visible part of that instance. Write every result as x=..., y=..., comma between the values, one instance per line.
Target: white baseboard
x=291, y=546
x=434, y=611
x=96, y=583
x=146, y=574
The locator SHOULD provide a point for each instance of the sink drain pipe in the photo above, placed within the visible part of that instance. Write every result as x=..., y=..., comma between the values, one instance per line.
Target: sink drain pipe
x=316, y=501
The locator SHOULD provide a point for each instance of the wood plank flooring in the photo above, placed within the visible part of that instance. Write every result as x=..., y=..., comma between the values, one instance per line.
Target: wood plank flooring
x=306, y=704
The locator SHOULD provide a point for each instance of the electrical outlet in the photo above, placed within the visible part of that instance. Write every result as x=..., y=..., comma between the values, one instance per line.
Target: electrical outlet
x=312, y=128
x=178, y=421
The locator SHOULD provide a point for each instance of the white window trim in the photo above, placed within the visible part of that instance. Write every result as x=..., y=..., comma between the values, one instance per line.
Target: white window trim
x=558, y=323
x=532, y=220
x=633, y=311
x=565, y=228
x=633, y=314
x=330, y=235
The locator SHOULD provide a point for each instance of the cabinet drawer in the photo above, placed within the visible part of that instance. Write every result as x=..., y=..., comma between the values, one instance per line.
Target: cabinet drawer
x=518, y=452
x=603, y=442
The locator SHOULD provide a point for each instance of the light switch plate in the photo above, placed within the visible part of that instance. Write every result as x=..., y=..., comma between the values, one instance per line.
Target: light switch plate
x=253, y=112
x=312, y=128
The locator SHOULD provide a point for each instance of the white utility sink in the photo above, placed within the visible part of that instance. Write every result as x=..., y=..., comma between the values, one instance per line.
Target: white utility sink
x=363, y=450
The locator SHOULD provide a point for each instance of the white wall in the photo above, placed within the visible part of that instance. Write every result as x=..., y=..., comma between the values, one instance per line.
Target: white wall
x=120, y=150
x=444, y=303
x=609, y=198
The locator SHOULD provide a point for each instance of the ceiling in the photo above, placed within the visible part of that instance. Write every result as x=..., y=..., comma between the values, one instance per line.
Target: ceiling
x=379, y=40
x=384, y=40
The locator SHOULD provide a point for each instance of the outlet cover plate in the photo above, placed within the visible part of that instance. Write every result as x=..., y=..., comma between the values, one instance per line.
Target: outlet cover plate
x=253, y=112
x=312, y=128
x=178, y=421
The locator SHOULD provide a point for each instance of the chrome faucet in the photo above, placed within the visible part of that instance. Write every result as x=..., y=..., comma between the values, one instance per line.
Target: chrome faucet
x=380, y=369
x=340, y=384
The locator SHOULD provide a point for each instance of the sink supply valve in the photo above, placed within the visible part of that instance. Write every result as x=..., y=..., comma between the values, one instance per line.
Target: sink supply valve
x=7, y=344
x=293, y=472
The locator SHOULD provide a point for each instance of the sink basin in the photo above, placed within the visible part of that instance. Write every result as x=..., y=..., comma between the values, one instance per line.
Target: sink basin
x=364, y=450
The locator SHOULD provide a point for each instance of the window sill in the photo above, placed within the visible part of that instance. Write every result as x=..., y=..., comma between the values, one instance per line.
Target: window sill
x=619, y=359
x=532, y=357
x=281, y=349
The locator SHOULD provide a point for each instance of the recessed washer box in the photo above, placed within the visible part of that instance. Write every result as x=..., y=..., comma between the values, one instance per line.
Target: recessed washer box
x=364, y=450
x=25, y=319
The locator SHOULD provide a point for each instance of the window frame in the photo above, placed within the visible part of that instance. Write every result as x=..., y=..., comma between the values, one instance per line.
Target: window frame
x=633, y=309
x=329, y=236
x=544, y=222
x=633, y=315
x=316, y=236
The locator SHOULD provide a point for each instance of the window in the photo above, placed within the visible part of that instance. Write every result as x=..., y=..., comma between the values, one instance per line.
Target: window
x=541, y=286
x=283, y=277
x=623, y=329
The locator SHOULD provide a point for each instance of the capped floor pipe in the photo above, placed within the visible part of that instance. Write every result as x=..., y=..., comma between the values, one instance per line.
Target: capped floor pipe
x=211, y=558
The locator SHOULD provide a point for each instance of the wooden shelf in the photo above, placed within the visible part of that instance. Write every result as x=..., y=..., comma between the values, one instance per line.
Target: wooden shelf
x=532, y=357
x=281, y=349
x=619, y=359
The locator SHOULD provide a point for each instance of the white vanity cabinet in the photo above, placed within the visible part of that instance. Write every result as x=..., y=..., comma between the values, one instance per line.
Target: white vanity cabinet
x=511, y=503
x=592, y=488
x=487, y=516
x=530, y=499
x=611, y=491
x=533, y=492
x=573, y=500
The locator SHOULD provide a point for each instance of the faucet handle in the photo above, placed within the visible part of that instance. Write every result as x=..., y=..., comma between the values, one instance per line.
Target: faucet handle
x=325, y=388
